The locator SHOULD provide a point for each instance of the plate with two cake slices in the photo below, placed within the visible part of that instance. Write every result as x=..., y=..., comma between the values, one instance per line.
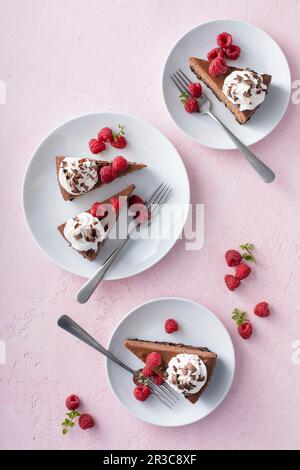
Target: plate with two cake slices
x=74, y=196
x=250, y=95
x=197, y=360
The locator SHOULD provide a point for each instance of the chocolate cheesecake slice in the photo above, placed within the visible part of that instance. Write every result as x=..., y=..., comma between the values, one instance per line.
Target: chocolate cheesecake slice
x=86, y=233
x=177, y=362
x=241, y=90
x=77, y=176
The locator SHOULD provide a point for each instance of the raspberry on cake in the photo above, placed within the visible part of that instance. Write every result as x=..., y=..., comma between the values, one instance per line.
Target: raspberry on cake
x=107, y=174
x=120, y=164
x=153, y=359
x=217, y=67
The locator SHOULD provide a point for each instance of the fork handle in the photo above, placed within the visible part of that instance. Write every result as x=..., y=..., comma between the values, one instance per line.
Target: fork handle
x=89, y=287
x=69, y=325
x=263, y=170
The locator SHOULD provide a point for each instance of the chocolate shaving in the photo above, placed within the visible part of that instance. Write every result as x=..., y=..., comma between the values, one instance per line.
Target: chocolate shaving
x=247, y=94
x=191, y=367
x=174, y=379
x=201, y=379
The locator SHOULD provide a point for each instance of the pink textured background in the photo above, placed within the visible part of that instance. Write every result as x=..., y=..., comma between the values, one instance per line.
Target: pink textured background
x=64, y=58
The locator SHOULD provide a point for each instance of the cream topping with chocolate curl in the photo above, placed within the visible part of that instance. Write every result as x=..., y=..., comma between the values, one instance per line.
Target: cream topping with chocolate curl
x=84, y=232
x=186, y=373
x=78, y=175
x=245, y=89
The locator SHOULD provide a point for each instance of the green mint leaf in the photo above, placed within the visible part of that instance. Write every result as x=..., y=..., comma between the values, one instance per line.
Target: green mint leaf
x=72, y=424
x=64, y=431
x=70, y=414
x=249, y=257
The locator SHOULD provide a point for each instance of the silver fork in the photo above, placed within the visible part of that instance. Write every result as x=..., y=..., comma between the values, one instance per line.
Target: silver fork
x=154, y=201
x=182, y=82
x=163, y=393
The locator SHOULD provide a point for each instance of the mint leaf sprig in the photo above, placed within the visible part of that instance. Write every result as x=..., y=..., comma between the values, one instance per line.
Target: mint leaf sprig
x=183, y=97
x=120, y=132
x=69, y=422
x=248, y=256
x=239, y=317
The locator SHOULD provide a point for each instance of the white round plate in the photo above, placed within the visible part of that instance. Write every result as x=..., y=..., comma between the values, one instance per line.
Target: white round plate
x=198, y=327
x=258, y=52
x=45, y=208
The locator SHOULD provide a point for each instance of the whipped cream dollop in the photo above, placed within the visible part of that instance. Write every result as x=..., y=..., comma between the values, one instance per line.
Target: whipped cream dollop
x=186, y=373
x=84, y=232
x=245, y=89
x=78, y=175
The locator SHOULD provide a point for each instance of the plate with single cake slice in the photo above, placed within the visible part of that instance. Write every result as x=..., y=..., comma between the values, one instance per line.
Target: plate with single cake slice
x=197, y=361
x=64, y=180
x=250, y=98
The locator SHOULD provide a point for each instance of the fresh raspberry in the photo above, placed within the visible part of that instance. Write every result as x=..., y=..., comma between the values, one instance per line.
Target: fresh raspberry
x=105, y=135
x=141, y=392
x=97, y=210
x=147, y=371
x=245, y=330
x=191, y=105
x=262, y=309
x=231, y=282
x=233, y=257
x=217, y=67
x=119, y=142
x=115, y=202
x=242, y=271
x=195, y=89
x=214, y=53
x=120, y=164
x=96, y=146
x=107, y=174
x=153, y=359
x=86, y=421
x=135, y=199
x=232, y=52
x=72, y=402
x=244, y=326
x=171, y=325
x=224, y=40
x=157, y=379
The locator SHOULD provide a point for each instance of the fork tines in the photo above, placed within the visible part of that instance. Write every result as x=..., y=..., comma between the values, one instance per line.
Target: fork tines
x=181, y=81
x=156, y=200
x=163, y=393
